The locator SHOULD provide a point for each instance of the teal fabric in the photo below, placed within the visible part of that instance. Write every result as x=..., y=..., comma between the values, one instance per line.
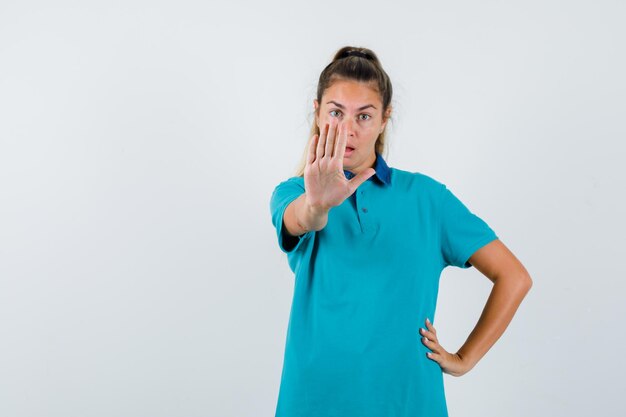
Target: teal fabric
x=364, y=285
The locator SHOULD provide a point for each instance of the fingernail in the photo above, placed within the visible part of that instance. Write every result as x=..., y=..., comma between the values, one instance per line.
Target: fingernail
x=427, y=319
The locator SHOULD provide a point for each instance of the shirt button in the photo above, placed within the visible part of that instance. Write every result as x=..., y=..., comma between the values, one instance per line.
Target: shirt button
x=364, y=210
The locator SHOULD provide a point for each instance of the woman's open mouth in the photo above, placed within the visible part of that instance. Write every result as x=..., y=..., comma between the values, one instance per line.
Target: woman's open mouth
x=348, y=151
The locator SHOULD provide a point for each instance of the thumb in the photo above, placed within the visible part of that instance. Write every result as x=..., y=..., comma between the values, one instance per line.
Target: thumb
x=361, y=178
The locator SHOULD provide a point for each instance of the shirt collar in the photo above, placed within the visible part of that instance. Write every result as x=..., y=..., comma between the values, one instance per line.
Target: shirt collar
x=383, y=173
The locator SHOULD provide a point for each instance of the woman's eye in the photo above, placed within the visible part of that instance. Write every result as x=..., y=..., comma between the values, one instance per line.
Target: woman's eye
x=366, y=116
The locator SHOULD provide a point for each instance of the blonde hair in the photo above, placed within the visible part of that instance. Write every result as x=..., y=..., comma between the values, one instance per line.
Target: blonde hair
x=363, y=65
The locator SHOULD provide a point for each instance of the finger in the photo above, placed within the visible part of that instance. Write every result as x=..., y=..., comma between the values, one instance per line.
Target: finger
x=360, y=178
x=340, y=145
x=432, y=345
x=330, y=137
x=430, y=326
x=310, y=155
x=330, y=140
x=428, y=334
x=321, y=142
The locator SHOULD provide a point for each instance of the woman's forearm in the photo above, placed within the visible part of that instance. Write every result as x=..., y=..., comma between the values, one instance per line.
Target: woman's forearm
x=506, y=296
x=301, y=217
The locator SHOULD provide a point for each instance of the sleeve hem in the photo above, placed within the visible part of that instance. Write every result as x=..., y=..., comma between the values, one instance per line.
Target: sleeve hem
x=280, y=230
x=464, y=259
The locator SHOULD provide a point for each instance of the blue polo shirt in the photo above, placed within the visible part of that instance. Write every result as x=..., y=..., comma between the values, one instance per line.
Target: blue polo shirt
x=364, y=285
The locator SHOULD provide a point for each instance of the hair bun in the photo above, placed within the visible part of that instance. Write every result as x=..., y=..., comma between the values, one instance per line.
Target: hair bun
x=354, y=52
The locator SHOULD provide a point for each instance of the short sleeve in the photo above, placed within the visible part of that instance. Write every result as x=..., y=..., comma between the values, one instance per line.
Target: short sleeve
x=462, y=231
x=284, y=193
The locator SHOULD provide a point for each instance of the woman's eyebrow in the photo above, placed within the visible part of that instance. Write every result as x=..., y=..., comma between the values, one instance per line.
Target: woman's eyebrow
x=341, y=106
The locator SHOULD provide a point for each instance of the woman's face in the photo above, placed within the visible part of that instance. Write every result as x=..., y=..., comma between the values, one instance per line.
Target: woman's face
x=358, y=107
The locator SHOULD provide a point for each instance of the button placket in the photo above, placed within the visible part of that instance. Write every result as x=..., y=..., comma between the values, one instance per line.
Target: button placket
x=362, y=208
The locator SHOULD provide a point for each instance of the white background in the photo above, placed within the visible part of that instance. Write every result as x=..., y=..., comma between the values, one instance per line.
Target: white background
x=140, y=273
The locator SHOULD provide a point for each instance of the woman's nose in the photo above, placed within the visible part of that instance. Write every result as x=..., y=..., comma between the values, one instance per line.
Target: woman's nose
x=348, y=125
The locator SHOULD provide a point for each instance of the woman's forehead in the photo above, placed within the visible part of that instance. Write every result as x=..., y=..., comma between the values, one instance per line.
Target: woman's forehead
x=352, y=94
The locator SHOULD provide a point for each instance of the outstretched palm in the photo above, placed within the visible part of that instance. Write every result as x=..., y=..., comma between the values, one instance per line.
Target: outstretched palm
x=324, y=180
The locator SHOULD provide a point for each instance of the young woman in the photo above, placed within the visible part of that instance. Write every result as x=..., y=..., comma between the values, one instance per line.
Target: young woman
x=367, y=243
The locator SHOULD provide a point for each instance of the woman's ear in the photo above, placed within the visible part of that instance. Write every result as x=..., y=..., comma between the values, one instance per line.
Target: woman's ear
x=386, y=116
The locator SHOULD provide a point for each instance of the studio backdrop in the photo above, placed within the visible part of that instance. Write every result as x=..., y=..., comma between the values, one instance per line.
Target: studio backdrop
x=140, y=142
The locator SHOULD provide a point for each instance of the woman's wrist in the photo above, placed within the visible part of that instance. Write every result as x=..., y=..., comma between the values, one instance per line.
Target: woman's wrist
x=314, y=217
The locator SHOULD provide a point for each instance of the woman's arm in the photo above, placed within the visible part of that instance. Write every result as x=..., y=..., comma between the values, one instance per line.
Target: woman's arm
x=511, y=284
x=300, y=217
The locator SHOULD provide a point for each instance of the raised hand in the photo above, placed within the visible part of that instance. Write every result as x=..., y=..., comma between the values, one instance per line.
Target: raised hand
x=324, y=180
